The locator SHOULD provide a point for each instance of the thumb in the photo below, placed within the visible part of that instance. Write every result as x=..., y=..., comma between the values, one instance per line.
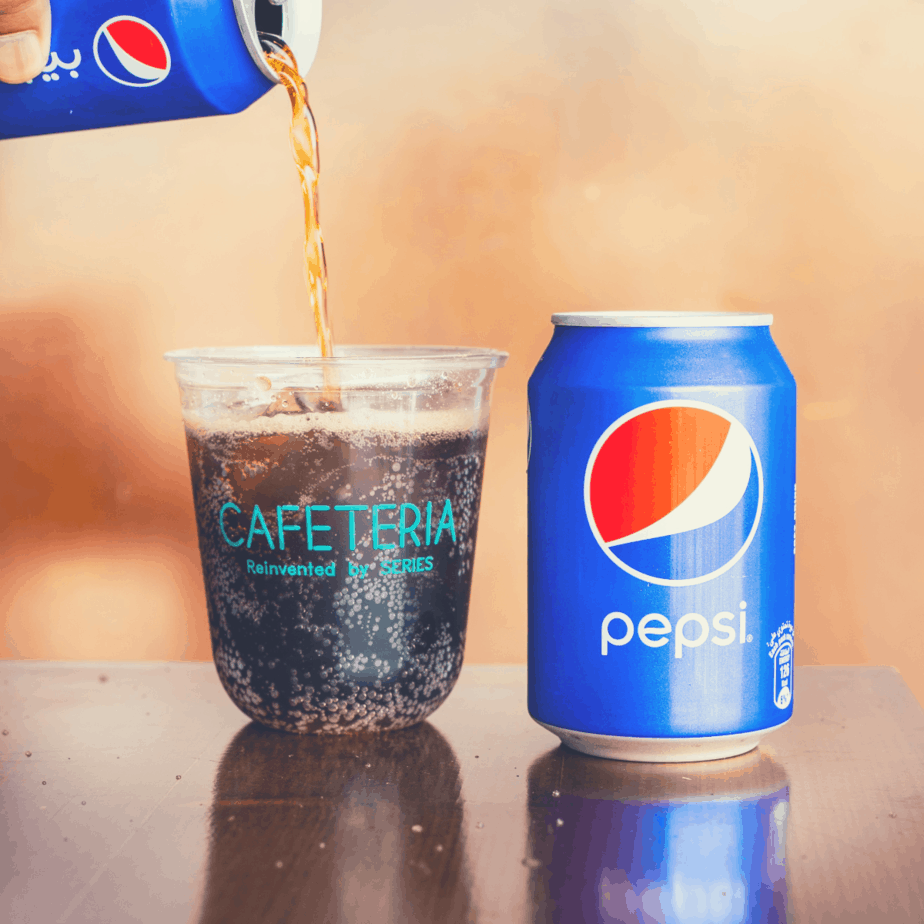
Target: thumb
x=25, y=37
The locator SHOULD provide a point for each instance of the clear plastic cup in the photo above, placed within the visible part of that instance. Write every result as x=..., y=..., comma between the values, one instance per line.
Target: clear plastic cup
x=337, y=505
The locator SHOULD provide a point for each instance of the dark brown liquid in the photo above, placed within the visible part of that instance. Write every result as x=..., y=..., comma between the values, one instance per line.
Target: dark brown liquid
x=352, y=628
x=303, y=135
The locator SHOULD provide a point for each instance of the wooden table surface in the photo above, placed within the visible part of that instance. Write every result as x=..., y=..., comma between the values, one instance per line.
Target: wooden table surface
x=138, y=793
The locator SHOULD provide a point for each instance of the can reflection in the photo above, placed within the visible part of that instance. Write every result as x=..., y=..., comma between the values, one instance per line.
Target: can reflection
x=672, y=844
x=336, y=830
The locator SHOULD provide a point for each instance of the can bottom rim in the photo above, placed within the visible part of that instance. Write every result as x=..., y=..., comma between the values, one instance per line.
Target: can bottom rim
x=661, y=750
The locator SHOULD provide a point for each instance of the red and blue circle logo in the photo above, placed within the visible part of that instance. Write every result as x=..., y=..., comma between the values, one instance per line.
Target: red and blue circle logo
x=673, y=492
x=131, y=51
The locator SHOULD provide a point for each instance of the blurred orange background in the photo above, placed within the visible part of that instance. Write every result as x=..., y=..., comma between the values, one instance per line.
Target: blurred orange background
x=483, y=165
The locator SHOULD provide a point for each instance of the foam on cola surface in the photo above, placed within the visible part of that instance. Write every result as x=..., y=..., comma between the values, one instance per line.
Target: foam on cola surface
x=337, y=552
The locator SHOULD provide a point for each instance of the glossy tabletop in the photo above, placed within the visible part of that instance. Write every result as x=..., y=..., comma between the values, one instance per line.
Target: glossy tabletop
x=138, y=793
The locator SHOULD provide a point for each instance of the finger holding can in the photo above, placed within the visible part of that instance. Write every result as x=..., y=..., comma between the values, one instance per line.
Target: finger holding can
x=25, y=38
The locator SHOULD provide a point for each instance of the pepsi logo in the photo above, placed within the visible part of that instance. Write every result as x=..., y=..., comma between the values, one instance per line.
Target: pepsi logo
x=673, y=492
x=131, y=51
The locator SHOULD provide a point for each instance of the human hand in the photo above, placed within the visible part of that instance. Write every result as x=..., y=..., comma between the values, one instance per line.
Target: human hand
x=25, y=37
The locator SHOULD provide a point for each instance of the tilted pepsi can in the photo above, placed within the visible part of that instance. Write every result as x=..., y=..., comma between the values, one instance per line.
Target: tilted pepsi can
x=662, y=469
x=121, y=62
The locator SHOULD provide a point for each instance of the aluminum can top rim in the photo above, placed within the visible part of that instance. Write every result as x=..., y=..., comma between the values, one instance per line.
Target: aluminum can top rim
x=662, y=319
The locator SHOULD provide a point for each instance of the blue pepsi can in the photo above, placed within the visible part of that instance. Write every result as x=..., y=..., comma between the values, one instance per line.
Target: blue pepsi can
x=662, y=470
x=121, y=62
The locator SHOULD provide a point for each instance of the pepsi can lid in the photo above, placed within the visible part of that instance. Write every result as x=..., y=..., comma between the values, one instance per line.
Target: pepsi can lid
x=662, y=319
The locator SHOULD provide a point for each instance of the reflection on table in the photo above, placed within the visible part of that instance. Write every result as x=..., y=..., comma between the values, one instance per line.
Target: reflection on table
x=330, y=829
x=142, y=798
x=672, y=844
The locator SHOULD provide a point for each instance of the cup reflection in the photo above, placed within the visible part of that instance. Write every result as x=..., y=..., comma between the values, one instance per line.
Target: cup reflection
x=668, y=843
x=343, y=830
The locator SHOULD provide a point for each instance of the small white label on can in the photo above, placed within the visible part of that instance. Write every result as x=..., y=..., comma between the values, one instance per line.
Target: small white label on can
x=781, y=650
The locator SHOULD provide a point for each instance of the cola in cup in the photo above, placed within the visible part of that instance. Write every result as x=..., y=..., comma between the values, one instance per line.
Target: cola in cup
x=337, y=505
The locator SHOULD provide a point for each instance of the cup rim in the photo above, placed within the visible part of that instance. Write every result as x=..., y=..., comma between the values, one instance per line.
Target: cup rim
x=349, y=355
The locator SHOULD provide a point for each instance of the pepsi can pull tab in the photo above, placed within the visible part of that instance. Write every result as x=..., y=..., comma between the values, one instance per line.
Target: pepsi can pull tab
x=121, y=62
x=662, y=466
